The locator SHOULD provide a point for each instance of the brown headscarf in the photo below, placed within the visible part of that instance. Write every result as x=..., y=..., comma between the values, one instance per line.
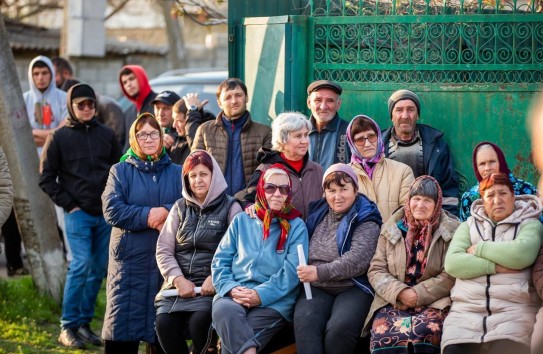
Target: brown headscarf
x=421, y=230
x=134, y=145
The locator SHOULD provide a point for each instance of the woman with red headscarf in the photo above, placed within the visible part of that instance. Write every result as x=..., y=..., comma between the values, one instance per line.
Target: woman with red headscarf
x=407, y=272
x=487, y=159
x=254, y=268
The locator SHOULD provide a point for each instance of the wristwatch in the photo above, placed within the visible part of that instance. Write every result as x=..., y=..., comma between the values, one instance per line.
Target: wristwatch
x=193, y=108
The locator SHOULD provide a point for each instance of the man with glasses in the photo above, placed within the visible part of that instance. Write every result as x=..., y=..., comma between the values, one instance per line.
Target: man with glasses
x=74, y=168
x=420, y=146
x=327, y=128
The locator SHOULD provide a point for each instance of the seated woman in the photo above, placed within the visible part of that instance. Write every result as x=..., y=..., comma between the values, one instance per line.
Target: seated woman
x=494, y=303
x=254, y=268
x=411, y=286
x=488, y=158
x=185, y=248
x=382, y=180
x=344, y=229
x=290, y=143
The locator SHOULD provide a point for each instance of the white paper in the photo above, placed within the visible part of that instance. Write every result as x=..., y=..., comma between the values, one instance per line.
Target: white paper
x=173, y=292
x=301, y=259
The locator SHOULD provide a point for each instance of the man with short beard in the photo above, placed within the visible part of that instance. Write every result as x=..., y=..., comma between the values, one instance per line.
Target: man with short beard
x=328, y=129
x=420, y=146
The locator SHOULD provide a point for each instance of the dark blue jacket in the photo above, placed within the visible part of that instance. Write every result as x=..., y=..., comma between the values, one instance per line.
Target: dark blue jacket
x=234, y=173
x=438, y=162
x=133, y=188
x=363, y=210
x=334, y=134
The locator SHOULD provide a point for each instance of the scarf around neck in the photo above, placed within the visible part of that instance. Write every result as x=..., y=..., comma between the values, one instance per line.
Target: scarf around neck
x=266, y=215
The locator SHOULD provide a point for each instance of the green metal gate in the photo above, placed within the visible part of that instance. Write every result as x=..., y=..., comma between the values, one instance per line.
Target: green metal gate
x=475, y=65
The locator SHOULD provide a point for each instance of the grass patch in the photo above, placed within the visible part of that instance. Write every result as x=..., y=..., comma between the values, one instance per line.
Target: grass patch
x=30, y=320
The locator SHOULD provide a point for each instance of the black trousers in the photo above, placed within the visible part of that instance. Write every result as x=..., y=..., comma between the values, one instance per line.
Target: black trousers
x=171, y=329
x=12, y=242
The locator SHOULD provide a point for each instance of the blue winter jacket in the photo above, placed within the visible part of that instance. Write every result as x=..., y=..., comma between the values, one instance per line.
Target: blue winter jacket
x=133, y=188
x=363, y=210
x=244, y=258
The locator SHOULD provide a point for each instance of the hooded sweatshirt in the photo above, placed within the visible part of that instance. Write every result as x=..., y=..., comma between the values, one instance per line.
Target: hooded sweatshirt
x=52, y=96
x=142, y=102
x=167, y=263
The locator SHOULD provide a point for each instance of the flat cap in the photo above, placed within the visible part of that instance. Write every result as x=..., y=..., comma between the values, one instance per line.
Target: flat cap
x=317, y=85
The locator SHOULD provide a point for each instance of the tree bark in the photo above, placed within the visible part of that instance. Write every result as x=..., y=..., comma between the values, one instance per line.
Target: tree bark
x=177, y=54
x=34, y=210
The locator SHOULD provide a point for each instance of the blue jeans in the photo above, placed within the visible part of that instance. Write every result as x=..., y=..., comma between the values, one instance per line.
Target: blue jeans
x=88, y=237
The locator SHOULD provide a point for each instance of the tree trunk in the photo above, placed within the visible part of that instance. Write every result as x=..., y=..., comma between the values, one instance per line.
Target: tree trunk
x=34, y=210
x=177, y=54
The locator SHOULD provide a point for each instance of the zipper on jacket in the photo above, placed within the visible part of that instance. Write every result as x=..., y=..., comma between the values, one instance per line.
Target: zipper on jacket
x=91, y=155
x=487, y=294
x=194, y=242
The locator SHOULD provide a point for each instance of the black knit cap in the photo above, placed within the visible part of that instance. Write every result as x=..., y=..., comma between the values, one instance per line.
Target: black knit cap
x=402, y=95
x=81, y=92
x=320, y=84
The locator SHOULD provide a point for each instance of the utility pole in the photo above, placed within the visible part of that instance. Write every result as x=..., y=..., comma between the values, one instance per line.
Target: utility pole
x=34, y=210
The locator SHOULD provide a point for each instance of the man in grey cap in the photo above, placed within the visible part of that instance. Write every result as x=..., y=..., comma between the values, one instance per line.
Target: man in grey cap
x=328, y=129
x=162, y=105
x=420, y=146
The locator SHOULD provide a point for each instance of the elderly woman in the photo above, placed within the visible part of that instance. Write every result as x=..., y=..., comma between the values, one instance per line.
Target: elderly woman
x=494, y=303
x=407, y=272
x=140, y=191
x=487, y=159
x=254, y=268
x=382, y=180
x=185, y=248
x=343, y=229
x=290, y=144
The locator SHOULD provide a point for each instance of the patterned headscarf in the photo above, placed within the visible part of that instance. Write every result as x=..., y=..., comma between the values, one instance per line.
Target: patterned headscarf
x=421, y=230
x=501, y=159
x=264, y=213
x=367, y=164
x=135, y=149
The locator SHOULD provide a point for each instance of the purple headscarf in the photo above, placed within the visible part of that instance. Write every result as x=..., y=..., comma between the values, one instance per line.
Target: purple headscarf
x=367, y=164
x=501, y=159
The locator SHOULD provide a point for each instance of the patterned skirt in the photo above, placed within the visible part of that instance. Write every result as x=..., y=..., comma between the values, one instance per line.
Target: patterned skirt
x=393, y=329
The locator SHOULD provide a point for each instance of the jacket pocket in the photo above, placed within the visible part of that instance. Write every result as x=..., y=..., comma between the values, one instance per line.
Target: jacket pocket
x=119, y=246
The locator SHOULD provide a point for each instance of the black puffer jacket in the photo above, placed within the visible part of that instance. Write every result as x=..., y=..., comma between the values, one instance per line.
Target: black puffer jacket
x=199, y=234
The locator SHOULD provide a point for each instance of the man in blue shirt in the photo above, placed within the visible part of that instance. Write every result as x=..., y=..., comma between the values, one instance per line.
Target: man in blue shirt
x=328, y=129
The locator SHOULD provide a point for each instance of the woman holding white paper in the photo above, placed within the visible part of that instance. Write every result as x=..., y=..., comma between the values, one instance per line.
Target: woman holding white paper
x=254, y=268
x=185, y=248
x=343, y=229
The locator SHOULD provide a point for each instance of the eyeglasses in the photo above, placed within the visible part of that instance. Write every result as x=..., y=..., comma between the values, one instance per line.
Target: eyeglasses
x=362, y=140
x=144, y=136
x=270, y=188
x=81, y=105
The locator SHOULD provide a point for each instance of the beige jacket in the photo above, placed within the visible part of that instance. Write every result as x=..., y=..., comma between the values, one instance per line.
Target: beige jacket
x=388, y=266
x=390, y=185
x=212, y=137
x=6, y=189
x=489, y=306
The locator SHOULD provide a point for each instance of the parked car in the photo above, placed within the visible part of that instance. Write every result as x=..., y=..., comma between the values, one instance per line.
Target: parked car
x=183, y=81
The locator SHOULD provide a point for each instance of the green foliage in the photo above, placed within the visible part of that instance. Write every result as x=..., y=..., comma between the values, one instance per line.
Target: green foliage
x=30, y=320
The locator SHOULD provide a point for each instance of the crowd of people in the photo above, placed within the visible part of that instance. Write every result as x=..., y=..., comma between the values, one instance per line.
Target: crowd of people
x=224, y=230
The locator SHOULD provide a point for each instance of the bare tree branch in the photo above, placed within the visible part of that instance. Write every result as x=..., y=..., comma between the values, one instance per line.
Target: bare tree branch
x=116, y=8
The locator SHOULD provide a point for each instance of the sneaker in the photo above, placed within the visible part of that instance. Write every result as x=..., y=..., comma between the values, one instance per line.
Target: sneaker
x=88, y=335
x=68, y=337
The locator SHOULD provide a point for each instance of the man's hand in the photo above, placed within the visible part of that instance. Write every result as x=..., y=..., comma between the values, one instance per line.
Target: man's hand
x=74, y=210
x=156, y=217
x=251, y=211
x=191, y=99
x=185, y=288
x=207, y=287
x=307, y=273
x=408, y=297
